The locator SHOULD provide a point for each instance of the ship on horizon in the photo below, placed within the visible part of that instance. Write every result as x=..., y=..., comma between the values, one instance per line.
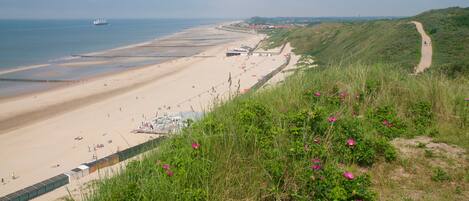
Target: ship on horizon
x=100, y=21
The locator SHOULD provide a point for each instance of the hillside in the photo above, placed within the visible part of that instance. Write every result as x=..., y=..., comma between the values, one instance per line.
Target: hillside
x=449, y=29
x=307, y=20
x=347, y=130
x=390, y=41
x=394, y=41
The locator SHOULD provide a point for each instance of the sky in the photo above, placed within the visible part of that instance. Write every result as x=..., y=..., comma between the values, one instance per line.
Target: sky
x=233, y=9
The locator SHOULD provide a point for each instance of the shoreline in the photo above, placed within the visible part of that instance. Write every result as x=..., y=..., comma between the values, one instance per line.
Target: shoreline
x=63, y=62
x=11, y=122
x=105, y=110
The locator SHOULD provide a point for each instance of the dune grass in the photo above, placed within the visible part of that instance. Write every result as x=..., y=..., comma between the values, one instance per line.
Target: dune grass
x=449, y=29
x=282, y=144
x=385, y=41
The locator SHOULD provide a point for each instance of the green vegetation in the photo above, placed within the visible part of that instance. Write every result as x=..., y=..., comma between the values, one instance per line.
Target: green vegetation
x=307, y=20
x=367, y=42
x=327, y=133
x=449, y=30
x=388, y=41
x=283, y=143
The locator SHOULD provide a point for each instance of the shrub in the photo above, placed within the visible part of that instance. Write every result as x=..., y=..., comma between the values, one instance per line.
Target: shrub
x=440, y=175
x=330, y=184
x=386, y=121
x=422, y=116
x=385, y=149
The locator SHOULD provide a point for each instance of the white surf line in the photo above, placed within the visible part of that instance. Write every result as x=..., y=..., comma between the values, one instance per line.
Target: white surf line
x=22, y=69
x=427, y=50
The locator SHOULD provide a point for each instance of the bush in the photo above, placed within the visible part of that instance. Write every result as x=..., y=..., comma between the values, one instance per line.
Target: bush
x=422, y=116
x=440, y=175
x=386, y=121
x=330, y=184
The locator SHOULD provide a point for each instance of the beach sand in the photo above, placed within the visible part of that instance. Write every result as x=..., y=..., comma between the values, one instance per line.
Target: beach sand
x=108, y=108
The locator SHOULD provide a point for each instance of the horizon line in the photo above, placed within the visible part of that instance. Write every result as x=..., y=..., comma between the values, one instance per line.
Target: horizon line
x=201, y=18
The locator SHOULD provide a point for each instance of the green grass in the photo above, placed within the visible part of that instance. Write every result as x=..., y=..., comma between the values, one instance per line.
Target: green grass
x=449, y=30
x=389, y=41
x=395, y=42
x=260, y=146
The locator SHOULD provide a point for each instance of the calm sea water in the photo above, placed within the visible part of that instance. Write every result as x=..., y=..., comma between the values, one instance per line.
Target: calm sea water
x=29, y=42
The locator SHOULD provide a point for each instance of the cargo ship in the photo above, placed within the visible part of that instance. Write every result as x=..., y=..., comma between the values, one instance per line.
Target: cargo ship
x=100, y=22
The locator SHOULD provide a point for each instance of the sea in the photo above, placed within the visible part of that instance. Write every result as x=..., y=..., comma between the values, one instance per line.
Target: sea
x=30, y=42
x=26, y=43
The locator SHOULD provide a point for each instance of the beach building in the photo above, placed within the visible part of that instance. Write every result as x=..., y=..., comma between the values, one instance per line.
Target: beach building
x=242, y=51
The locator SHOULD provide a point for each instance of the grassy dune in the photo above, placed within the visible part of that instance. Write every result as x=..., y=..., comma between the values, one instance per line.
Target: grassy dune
x=261, y=146
x=449, y=29
x=386, y=41
x=335, y=132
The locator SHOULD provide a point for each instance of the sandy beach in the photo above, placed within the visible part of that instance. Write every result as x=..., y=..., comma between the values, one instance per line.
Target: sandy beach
x=38, y=132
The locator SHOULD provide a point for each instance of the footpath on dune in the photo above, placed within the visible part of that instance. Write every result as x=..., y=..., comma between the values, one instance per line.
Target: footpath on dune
x=427, y=49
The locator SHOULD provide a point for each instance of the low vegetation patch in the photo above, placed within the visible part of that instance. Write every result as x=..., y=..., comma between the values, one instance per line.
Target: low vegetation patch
x=424, y=170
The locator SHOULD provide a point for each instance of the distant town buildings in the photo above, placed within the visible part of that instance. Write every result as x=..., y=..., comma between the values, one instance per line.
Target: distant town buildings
x=266, y=26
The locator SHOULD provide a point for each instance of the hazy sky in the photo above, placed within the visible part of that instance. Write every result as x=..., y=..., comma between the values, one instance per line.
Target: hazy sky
x=215, y=8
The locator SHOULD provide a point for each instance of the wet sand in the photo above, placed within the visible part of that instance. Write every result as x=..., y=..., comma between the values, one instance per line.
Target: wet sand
x=79, y=67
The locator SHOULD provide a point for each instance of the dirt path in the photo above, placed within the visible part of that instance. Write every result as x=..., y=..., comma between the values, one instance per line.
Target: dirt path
x=427, y=50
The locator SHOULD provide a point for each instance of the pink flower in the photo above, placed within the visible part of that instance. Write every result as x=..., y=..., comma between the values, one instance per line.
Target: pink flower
x=466, y=99
x=317, y=94
x=387, y=123
x=332, y=119
x=351, y=142
x=195, y=146
x=316, y=160
x=343, y=95
x=316, y=167
x=348, y=175
x=169, y=173
x=166, y=166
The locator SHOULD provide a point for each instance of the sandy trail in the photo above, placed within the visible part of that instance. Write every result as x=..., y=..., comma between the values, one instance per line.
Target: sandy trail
x=107, y=110
x=427, y=49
